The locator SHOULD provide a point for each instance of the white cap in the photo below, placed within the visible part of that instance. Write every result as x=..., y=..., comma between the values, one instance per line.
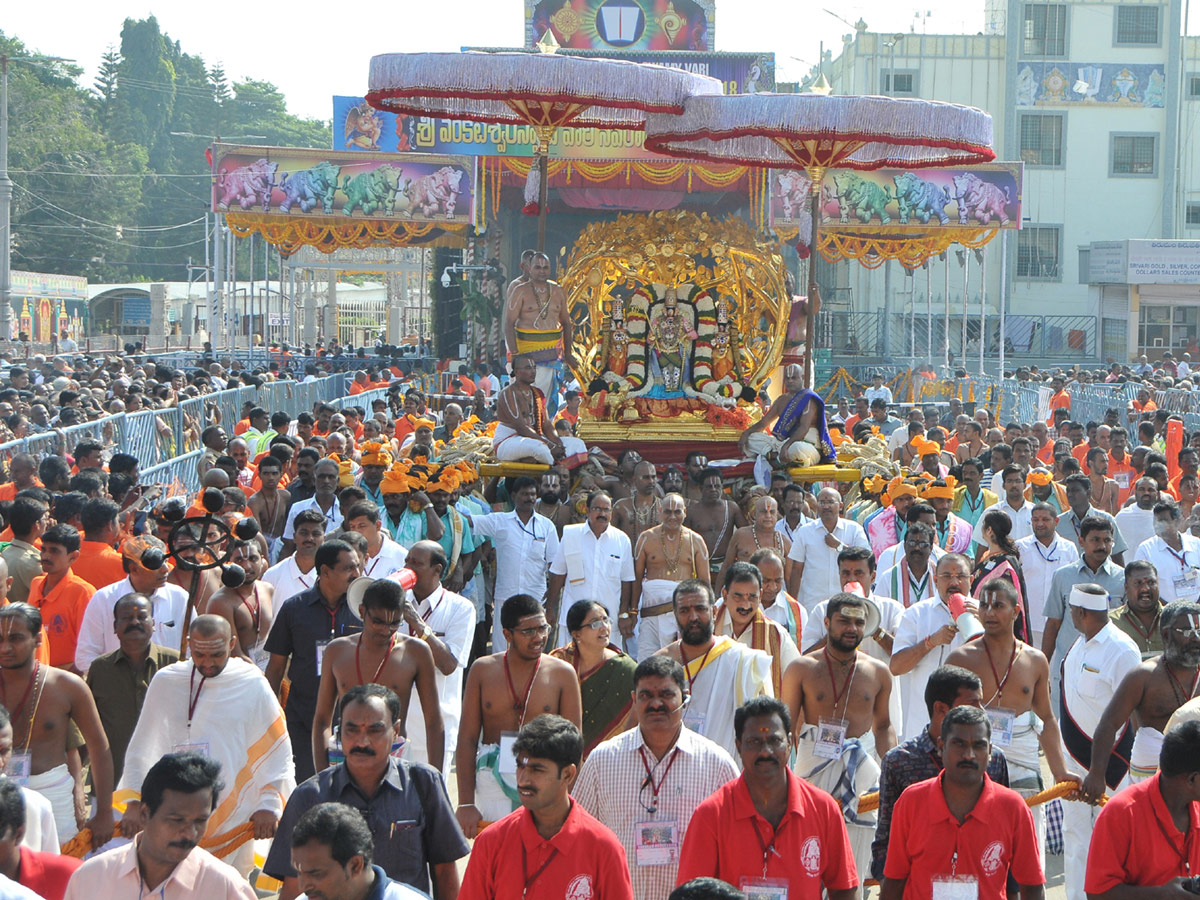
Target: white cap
x=1089, y=596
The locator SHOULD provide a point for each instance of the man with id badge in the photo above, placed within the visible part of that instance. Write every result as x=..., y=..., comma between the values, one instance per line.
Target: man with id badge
x=770, y=833
x=1174, y=554
x=840, y=698
x=1016, y=694
x=223, y=709
x=644, y=784
x=958, y=836
x=551, y=847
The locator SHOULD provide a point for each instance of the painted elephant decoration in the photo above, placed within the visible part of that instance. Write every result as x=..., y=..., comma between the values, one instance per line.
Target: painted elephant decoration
x=980, y=200
x=792, y=189
x=371, y=191
x=437, y=193
x=862, y=198
x=310, y=186
x=247, y=185
x=915, y=195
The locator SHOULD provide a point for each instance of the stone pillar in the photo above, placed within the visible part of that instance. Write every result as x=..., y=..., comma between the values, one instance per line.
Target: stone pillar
x=309, y=334
x=158, y=316
x=329, y=318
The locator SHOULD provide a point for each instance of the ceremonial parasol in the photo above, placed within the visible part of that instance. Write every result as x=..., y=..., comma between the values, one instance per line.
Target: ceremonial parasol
x=543, y=90
x=815, y=132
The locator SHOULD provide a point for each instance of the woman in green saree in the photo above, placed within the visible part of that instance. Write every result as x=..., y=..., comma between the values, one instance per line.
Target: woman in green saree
x=605, y=673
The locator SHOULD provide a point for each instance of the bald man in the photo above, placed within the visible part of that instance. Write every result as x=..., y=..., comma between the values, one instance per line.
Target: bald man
x=799, y=435
x=760, y=533
x=221, y=706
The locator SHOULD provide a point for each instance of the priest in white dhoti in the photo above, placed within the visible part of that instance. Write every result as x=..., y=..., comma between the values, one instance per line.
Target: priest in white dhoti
x=224, y=708
x=722, y=674
x=523, y=429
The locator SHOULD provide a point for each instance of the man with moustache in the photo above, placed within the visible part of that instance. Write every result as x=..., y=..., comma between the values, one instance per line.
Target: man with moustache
x=223, y=708
x=1042, y=554
x=1138, y=617
x=798, y=828
x=594, y=561
x=685, y=768
x=740, y=616
x=118, y=680
x=1016, y=688
x=839, y=698
x=248, y=607
x=1151, y=692
x=404, y=804
x=503, y=692
x=297, y=573
x=722, y=673
x=961, y=829
x=776, y=603
x=1175, y=555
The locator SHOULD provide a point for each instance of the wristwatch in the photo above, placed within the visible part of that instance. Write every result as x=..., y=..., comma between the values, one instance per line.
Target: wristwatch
x=625, y=615
x=427, y=634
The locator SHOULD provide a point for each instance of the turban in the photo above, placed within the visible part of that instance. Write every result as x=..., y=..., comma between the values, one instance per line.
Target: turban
x=447, y=479
x=1040, y=477
x=424, y=423
x=395, y=480
x=924, y=448
x=897, y=487
x=345, y=470
x=875, y=484
x=467, y=472
x=374, y=454
x=466, y=426
x=940, y=491
x=1084, y=599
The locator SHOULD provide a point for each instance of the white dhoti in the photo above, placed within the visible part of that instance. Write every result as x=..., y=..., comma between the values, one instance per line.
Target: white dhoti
x=1143, y=758
x=802, y=451
x=1078, y=821
x=1025, y=769
x=495, y=794
x=853, y=774
x=657, y=630
x=57, y=786
x=512, y=447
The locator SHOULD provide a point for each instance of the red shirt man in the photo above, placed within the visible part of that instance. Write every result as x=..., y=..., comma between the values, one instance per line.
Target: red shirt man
x=1135, y=839
x=988, y=835
x=728, y=838
x=46, y=874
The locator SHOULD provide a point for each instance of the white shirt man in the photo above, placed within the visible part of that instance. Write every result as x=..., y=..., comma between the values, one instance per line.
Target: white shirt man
x=451, y=617
x=819, y=580
x=1178, y=572
x=333, y=518
x=389, y=559
x=593, y=568
x=1093, y=671
x=287, y=579
x=1039, y=561
x=920, y=621
x=96, y=634
x=1020, y=516
x=524, y=551
x=1137, y=525
x=893, y=554
x=879, y=392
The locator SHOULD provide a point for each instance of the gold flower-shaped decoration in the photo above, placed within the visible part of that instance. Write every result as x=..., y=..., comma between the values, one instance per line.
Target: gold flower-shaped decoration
x=667, y=249
x=650, y=250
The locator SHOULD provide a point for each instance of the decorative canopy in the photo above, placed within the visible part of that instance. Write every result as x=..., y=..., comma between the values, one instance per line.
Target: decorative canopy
x=540, y=89
x=812, y=131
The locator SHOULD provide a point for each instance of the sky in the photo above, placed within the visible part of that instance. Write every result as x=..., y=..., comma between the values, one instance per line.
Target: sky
x=312, y=53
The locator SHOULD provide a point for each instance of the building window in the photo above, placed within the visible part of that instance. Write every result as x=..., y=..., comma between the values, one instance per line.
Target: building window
x=1039, y=253
x=1192, y=215
x=1192, y=84
x=1041, y=139
x=1137, y=26
x=1045, y=29
x=899, y=83
x=1134, y=154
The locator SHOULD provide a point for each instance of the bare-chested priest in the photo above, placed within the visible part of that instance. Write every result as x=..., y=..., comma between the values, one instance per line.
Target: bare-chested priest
x=537, y=324
x=43, y=701
x=715, y=518
x=504, y=691
x=664, y=556
x=378, y=655
x=839, y=699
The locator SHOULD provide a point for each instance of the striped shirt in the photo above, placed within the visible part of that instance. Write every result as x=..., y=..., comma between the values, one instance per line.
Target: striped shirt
x=614, y=787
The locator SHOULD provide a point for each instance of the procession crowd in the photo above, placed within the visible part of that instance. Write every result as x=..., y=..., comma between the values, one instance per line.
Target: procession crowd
x=693, y=680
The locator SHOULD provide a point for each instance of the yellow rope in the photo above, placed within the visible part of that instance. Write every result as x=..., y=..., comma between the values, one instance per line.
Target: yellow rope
x=869, y=802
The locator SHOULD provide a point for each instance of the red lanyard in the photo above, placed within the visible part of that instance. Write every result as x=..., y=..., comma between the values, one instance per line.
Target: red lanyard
x=194, y=699
x=1181, y=558
x=703, y=659
x=837, y=695
x=256, y=612
x=382, y=662
x=432, y=606
x=655, y=788
x=332, y=616
x=1137, y=626
x=536, y=875
x=767, y=849
x=16, y=713
x=1177, y=686
x=906, y=577
x=520, y=705
x=1000, y=682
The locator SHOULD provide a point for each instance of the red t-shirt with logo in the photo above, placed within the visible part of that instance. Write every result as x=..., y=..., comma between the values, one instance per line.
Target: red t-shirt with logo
x=727, y=839
x=511, y=861
x=928, y=842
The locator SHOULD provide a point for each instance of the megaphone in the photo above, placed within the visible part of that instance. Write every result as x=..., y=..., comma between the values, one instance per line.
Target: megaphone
x=406, y=578
x=963, y=610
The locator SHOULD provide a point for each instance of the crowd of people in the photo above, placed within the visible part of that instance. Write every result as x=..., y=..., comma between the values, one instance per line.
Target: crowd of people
x=668, y=681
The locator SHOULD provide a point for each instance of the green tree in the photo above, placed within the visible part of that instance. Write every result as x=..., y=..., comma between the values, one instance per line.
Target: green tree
x=105, y=84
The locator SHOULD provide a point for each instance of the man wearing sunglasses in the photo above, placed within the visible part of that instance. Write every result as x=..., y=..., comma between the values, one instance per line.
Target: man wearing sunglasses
x=1152, y=692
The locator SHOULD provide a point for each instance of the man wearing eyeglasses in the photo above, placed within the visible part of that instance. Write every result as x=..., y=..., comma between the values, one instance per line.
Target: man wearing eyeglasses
x=645, y=784
x=768, y=832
